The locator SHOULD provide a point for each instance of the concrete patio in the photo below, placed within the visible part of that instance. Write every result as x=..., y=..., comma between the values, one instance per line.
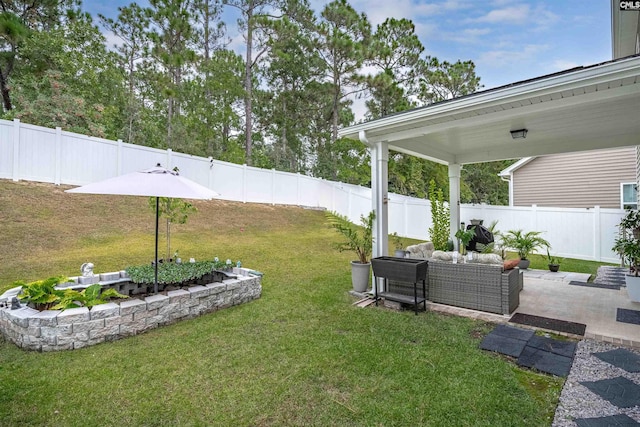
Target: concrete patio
x=549, y=295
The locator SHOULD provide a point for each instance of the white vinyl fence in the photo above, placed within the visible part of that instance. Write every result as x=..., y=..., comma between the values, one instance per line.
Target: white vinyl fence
x=35, y=153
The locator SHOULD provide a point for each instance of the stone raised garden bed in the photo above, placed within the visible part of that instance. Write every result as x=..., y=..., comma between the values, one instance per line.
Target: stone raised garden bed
x=53, y=330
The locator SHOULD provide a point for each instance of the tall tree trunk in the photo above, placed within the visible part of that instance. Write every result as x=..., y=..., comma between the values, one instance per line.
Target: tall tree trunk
x=6, y=98
x=169, y=117
x=336, y=98
x=248, y=88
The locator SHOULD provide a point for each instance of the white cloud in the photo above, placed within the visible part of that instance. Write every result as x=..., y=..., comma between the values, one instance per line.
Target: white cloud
x=501, y=58
x=467, y=36
x=518, y=14
x=398, y=9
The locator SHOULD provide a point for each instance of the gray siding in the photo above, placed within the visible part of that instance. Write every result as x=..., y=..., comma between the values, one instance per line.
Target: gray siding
x=575, y=180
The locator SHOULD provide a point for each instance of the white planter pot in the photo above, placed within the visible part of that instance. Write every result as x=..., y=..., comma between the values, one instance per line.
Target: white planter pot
x=360, y=276
x=633, y=287
x=400, y=253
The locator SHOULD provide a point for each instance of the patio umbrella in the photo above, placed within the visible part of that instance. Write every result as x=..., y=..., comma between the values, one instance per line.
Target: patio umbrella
x=155, y=182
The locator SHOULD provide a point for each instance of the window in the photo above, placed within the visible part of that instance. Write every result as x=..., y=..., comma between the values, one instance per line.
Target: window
x=629, y=195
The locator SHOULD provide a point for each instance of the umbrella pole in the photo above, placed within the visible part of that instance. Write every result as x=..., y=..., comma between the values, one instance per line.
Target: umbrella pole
x=155, y=282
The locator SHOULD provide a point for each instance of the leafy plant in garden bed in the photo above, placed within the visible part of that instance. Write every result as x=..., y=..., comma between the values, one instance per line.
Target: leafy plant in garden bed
x=42, y=295
x=177, y=274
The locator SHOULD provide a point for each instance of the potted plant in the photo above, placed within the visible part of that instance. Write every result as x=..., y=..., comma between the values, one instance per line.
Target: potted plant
x=524, y=244
x=465, y=237
x=628, y=247
x=399, y=246
x=359, y=241
x=631, y=223
x=553, y=262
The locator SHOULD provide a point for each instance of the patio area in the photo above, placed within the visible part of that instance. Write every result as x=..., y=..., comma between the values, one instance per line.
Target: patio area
x=549, y=295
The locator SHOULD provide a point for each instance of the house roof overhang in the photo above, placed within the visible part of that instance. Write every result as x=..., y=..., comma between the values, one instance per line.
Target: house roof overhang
x=581, y=109
x=517, y=165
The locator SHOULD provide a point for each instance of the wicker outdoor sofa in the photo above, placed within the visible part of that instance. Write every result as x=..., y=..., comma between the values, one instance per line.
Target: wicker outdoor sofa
x=477, y=286
x=484, y=287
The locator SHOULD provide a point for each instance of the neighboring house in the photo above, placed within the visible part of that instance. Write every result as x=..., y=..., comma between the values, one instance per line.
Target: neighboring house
x=605, y=178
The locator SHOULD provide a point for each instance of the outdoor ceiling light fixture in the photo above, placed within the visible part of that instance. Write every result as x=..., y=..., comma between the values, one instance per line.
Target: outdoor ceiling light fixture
x=520, y=133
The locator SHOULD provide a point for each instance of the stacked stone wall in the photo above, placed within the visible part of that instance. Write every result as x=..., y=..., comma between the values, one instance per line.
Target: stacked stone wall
x=53, y=330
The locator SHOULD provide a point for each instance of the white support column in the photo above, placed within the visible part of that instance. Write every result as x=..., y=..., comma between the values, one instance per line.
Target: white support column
x=380, y=198
x=454, y=202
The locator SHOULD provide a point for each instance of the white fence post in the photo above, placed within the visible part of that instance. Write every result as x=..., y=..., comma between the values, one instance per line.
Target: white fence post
x=597, y=244
x=16, y=149
x=273, y=186
x=210, y=175
x=119, y=158
x=333, y=197
x=169, y=159
x=58, y=160
x=298, y=189
x=405, y=210
x=244, y=183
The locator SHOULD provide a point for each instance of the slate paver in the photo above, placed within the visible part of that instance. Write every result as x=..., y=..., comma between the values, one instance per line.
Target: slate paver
x=544, y=354
x=610, y=421
x=620, y=391
x=503, y=345
x=513, y=332
x=545, y=361
x=563, y=348
x=621, y=358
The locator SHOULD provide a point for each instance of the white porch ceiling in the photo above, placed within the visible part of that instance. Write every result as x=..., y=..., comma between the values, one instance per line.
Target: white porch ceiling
x=581, y=109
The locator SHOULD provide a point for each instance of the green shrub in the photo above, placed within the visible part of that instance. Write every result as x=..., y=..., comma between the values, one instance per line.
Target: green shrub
x=88, y=297
x=358, y=241
x=439, y=231
x=42, y=295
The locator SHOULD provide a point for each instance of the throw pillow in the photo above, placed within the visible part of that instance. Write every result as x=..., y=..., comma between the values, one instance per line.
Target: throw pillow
x=510, y=264
x=442, y=256
x=486, y=259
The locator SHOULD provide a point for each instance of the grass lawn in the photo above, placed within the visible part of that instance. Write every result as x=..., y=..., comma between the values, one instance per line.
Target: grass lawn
x=300, y=355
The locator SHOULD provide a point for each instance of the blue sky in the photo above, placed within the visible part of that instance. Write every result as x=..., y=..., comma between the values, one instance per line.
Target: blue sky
x=508, y=40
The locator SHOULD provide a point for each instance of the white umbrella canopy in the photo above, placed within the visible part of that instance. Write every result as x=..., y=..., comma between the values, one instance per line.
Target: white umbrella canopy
x=154, y=182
